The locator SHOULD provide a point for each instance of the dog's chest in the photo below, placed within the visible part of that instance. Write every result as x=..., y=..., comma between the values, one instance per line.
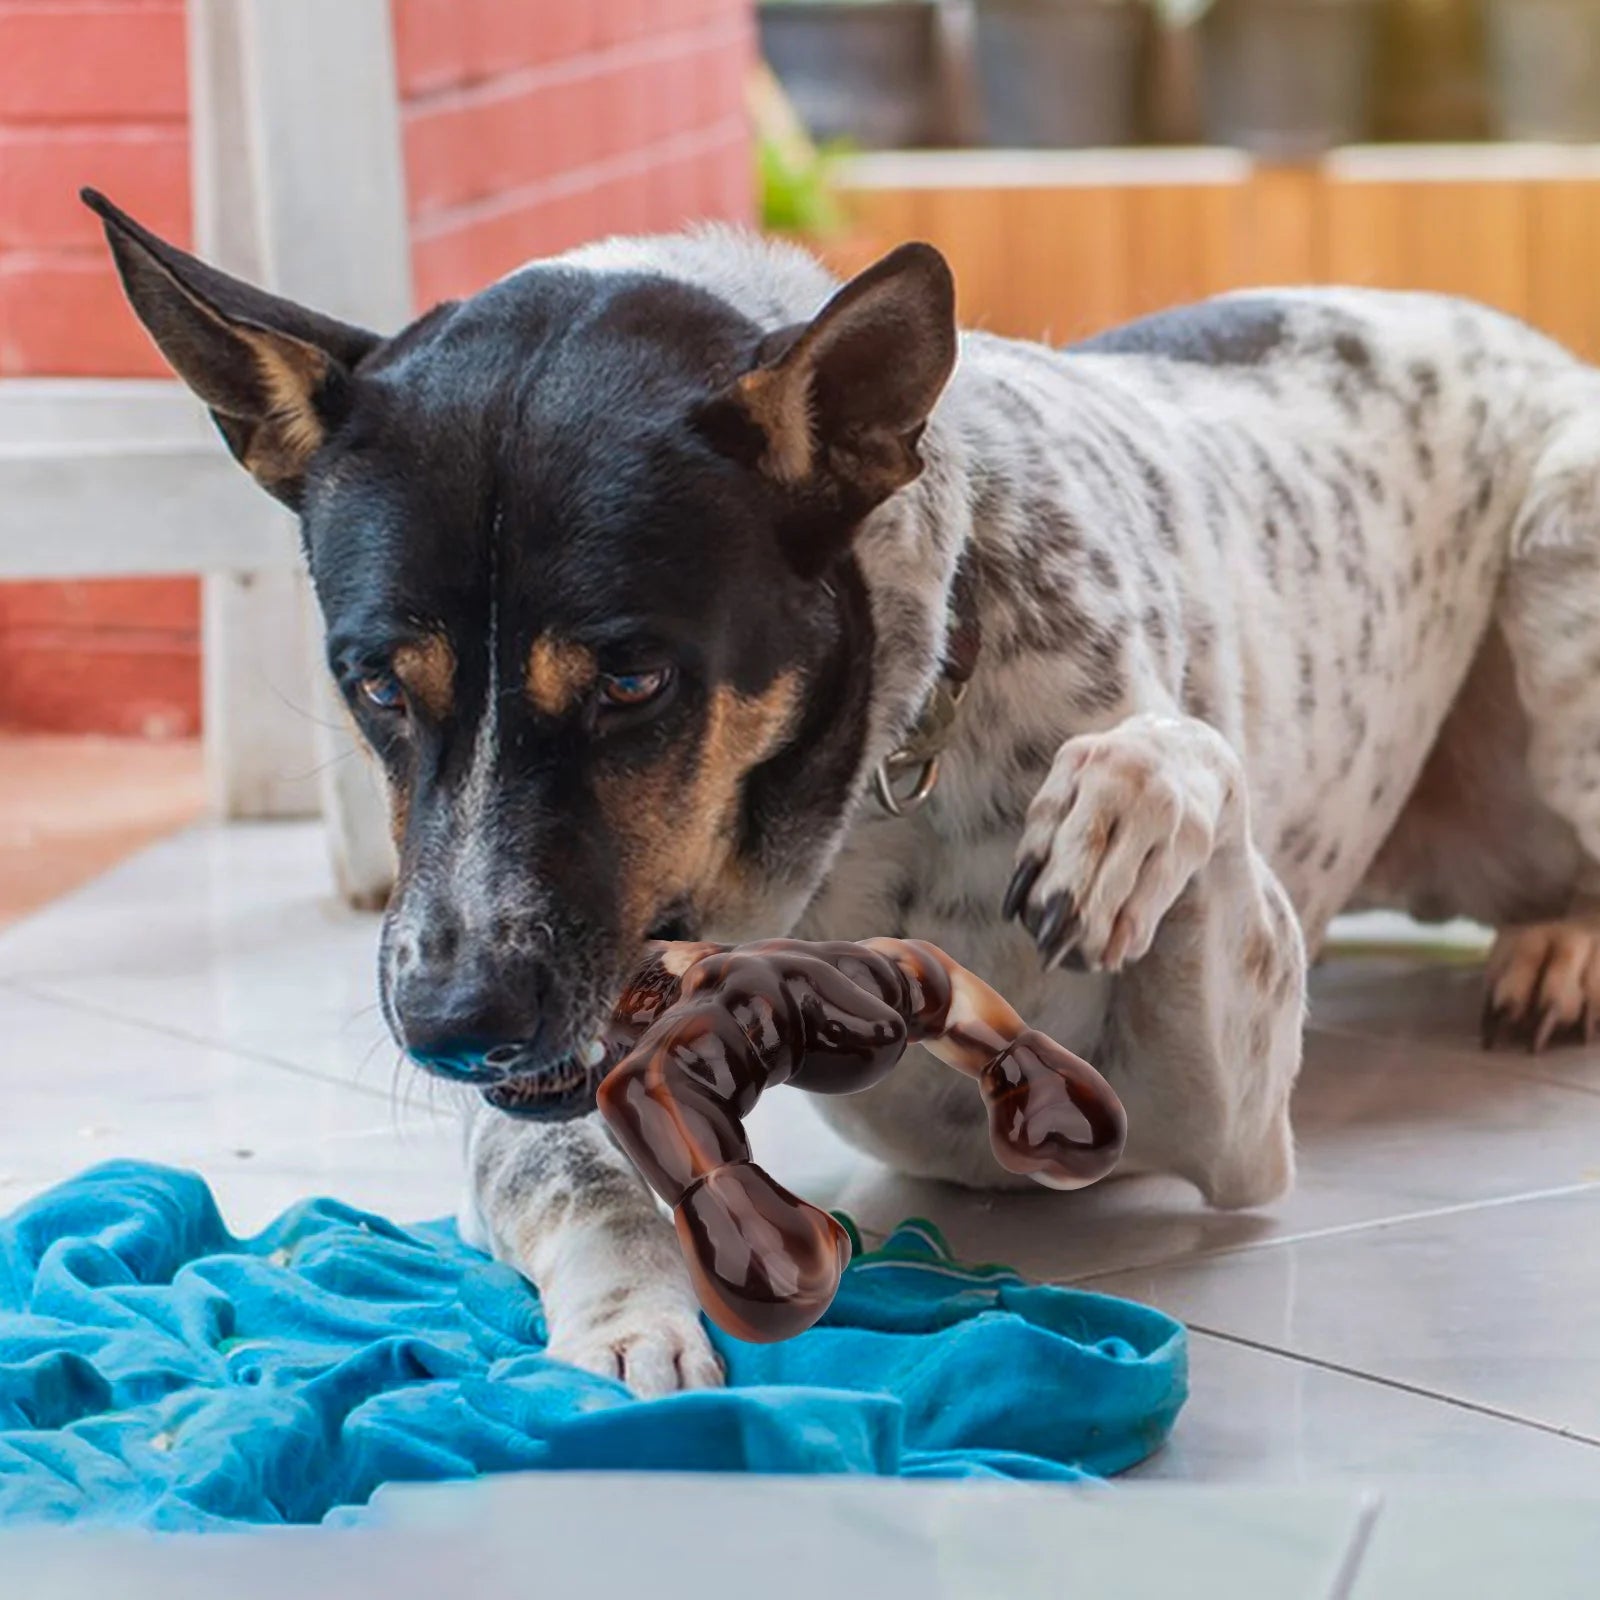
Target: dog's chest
x=906, y=878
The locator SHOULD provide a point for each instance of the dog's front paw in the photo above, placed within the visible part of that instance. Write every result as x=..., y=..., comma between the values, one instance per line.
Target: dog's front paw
x=1124, y=821
x=1542, y=984
x=655, y=1345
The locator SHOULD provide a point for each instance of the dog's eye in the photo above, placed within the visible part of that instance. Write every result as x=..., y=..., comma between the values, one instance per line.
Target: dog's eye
x=383, y=692
x=626, y=690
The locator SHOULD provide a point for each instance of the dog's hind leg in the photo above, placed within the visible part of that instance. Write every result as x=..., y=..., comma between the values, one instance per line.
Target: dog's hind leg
x=1137, y=859
x=562, y=1205
x=1544, y=977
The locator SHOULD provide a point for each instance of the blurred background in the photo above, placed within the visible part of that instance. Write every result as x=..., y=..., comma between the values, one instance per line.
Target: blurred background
x=1081, y=162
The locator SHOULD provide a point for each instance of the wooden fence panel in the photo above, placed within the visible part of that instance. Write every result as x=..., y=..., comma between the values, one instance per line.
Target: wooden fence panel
x=1059, y=246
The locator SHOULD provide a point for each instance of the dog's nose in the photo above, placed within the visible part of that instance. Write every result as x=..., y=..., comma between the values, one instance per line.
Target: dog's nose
x=476, y=1025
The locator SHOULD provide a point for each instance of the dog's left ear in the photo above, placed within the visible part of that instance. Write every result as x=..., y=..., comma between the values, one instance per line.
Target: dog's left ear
x=834, y=408
x=274, y=374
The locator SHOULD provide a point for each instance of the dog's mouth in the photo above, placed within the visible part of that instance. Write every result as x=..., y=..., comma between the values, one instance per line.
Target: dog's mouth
x=556, y=1091
x=560, y=1090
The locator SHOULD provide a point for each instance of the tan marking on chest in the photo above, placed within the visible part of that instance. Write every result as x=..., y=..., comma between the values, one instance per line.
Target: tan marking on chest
x=560, y=673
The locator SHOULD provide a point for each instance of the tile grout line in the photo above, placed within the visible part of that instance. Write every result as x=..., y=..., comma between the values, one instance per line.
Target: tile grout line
x=1355, y=1554
x=1336, y=1230
x=167, y=1031
x=1478, y=1407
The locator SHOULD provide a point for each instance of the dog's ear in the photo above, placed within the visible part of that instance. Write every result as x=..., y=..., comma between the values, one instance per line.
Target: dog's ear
x=275, y=375
x=833, y=409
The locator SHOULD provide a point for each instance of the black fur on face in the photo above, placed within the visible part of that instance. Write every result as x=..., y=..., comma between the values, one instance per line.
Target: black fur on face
x=605, y=636
x=522, y=479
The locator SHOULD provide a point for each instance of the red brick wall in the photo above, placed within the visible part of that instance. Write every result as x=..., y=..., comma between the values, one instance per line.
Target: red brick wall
x=89, y=91
x=529, y=125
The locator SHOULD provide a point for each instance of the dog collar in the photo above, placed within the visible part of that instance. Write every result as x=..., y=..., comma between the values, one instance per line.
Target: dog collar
x=918, y=756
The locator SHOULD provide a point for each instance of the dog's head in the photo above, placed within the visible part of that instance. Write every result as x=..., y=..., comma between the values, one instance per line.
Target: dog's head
x=582, y=544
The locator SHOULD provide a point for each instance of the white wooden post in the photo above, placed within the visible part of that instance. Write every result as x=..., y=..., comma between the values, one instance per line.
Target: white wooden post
x=299, y=187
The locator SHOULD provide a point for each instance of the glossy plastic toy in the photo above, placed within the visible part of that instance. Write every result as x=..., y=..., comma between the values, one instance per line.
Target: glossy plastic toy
x=716, y=1025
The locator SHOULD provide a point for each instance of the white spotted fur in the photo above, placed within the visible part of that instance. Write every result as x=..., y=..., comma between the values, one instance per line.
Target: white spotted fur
x=1269, y=687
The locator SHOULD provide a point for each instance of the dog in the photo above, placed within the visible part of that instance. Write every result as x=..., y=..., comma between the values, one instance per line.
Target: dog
x=684, y=591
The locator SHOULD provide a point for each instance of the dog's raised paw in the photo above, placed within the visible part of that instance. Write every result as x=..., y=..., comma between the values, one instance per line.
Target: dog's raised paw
x=1123, y=822
x=1542, y=984
x=654, y=1348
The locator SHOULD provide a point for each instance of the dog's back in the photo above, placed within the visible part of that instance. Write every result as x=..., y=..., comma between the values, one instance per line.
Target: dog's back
x=1295, y=509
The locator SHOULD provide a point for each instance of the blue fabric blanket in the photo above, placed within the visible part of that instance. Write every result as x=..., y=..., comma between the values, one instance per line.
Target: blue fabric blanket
x=155, y=1369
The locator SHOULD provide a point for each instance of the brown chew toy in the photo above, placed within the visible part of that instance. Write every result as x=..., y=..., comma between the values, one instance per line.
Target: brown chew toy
x=716, y=1025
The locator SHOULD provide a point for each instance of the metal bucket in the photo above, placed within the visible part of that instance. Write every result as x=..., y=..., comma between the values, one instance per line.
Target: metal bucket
x=1061, y=73
x=1288, y=78
x=870, y=73
x=1544, y=58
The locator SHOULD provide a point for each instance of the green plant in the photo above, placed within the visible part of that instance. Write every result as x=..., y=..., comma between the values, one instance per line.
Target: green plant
x=798, y=196
x=794, y=176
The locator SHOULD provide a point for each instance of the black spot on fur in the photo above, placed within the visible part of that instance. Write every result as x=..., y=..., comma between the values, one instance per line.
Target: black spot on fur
x=1299, y=841
x=1032, y=756
x=1033, y=606
x=1238, y=332
x=1353, y=352
x=1020, y=410
x=1158, y=492
x=1348, y=513
x=1425, y=380
x=1103, y=685
x=1292, y=509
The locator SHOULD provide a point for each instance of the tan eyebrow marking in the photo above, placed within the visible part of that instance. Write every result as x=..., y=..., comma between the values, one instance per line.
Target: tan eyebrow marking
x=428, y=670
x=560, y=673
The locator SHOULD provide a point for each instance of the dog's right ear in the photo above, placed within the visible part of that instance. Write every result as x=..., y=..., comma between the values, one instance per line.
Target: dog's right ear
x=275, y=375
x=832, y=411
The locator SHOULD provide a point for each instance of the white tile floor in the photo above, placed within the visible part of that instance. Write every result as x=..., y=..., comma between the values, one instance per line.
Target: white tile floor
x=1424, y=1312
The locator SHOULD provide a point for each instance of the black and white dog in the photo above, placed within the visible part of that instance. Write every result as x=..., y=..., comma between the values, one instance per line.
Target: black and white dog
x=645, y=566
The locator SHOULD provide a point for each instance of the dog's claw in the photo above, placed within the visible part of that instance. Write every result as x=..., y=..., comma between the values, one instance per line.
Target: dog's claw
x=1491, y=1023
x=1059, y=923
x=1549, y=1022
x=1021, y=885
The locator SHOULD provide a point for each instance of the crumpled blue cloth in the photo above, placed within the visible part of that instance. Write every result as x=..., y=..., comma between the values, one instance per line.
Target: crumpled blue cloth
x=155, y=1369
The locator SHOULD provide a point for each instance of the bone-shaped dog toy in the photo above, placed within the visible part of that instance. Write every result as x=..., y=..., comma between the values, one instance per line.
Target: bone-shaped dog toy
x=715, y=1025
